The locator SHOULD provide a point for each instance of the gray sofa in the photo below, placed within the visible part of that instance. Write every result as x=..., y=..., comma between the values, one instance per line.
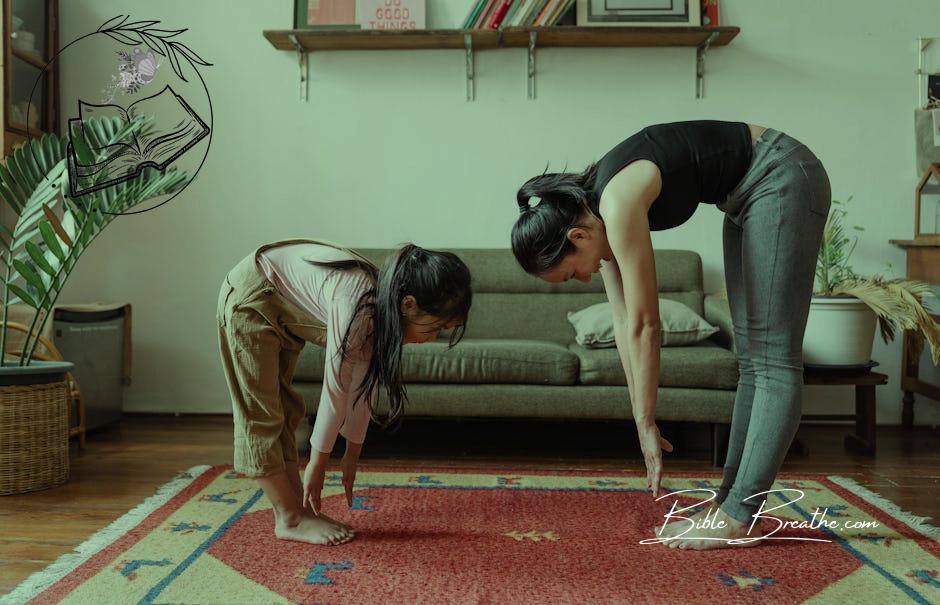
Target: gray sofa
x=519, y=358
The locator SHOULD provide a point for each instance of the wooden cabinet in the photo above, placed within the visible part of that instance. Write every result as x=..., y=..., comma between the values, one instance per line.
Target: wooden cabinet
x=923, y=263
x=30, y=89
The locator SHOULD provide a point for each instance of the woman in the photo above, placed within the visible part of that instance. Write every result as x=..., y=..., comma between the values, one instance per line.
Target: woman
x=292, y=291
x=776, y=196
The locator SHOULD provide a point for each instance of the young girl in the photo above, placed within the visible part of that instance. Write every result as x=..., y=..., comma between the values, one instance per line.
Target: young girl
x=289, y=292
x=775, y=195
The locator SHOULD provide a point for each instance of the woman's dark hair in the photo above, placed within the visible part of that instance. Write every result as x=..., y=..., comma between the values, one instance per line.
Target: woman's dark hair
x=440, y=283
x=540, y=235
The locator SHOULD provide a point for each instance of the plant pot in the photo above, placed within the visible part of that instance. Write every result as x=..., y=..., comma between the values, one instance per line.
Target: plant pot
x=34, y=426
x=840, y=331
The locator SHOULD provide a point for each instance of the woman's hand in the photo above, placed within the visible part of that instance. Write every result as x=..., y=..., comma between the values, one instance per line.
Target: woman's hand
x=348, y=466
x=314, y=474
x=652, y=444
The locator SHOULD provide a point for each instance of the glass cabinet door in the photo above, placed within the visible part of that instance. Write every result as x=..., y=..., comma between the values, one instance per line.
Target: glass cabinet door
x=29, y=46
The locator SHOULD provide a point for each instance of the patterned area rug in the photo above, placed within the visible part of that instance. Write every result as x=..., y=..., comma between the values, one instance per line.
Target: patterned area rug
x=467, y=536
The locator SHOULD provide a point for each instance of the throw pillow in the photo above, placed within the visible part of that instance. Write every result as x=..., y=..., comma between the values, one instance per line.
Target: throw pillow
x=594, y=325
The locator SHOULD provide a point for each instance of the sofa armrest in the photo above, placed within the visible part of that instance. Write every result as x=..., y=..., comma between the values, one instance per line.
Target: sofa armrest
x=718, y=314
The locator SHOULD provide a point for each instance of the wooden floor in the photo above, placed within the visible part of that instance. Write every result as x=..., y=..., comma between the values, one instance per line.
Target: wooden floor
x=125, y=464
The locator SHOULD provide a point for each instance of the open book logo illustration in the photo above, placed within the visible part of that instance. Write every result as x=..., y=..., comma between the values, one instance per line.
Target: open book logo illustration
x=173, y=128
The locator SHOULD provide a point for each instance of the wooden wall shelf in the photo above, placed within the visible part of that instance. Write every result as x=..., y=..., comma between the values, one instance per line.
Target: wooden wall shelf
x=469, y=40
x=514, y=37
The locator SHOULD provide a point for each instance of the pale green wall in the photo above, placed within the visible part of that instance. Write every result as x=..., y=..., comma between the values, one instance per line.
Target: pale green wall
x=386, y=150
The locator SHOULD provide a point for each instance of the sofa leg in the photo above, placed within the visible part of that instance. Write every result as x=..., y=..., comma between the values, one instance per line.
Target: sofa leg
x=720, y=435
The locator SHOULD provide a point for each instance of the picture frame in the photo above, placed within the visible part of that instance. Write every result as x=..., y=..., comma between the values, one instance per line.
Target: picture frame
x=639, y=13
x=325, y=14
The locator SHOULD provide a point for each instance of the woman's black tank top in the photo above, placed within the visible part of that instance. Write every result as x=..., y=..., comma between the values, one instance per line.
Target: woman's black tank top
x=700, y=161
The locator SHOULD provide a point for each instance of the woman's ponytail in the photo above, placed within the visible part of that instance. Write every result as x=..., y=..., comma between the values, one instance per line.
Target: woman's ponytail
x=540, y=235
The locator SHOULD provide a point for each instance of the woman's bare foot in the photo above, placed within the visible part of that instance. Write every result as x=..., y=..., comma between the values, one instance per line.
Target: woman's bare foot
x=721, y=529
x=675, y=528
x=308, y=528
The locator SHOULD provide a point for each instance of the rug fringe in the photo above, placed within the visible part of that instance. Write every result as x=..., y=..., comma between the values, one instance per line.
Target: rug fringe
x=916, y=522
x=64, y=565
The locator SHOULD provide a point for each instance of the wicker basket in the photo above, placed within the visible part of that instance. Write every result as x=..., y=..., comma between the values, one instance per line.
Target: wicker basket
x=34, y=437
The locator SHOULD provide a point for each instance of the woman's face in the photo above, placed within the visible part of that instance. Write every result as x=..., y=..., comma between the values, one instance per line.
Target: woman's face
x=590, y=248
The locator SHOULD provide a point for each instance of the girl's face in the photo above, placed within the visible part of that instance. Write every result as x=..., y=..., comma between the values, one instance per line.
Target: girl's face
x=420, y=326
x=425, y=328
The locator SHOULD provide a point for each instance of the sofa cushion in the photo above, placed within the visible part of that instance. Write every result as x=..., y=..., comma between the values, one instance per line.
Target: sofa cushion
x=493, y=361
x=472, y=361
x=705, y=365
x=549, y=401
x=681, y=326
x=310, y=365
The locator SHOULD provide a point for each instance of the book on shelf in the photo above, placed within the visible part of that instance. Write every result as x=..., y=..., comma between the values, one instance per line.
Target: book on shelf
x=563, y=7
x=553, y=12
x=499, y=13
x=473, y=13
x=386, y=14
x=511, y=13
x=325, y=15
x=534, y=11
x=524, y=6
x=541, y=16
x=710, y=13
x=484, y=14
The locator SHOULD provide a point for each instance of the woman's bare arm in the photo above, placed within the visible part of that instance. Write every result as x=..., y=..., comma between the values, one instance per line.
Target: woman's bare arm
x=610, y=272
x=624, y=205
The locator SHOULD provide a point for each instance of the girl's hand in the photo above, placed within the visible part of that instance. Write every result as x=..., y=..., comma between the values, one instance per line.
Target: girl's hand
x=314, y=475
x=348, y=466
x=652, y=443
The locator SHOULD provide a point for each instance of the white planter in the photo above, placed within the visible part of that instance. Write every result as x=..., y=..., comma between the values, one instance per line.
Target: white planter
x=840, y=331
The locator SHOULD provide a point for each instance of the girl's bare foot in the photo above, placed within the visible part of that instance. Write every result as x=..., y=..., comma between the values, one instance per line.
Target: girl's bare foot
x=291, y=520
x=309, y=528
x=345, y=526
x=718, y=535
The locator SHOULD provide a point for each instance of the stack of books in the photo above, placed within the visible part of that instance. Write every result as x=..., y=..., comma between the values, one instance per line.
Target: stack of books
x=497, y=14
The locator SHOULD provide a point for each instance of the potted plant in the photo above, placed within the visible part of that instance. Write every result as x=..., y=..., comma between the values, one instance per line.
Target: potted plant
x=845, y=307
x=40, y=246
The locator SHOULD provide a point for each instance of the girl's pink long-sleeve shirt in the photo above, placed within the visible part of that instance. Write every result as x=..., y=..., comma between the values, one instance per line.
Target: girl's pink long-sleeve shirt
x=330, y=296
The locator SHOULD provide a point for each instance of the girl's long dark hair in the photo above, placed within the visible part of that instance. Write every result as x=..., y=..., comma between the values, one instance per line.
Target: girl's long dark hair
x=540, y=235
x=440, y=283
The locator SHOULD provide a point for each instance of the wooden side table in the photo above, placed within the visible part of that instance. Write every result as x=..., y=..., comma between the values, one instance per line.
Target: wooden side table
x=923, y=263
x=860, y=442
x=863, y=440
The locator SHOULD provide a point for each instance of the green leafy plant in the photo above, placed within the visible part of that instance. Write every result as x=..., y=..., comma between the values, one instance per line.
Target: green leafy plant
x=896, y=302
x=835, y=250
x=52, y=229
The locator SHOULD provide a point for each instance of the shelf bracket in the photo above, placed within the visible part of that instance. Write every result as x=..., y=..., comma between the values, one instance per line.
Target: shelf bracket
x=700, y=53
x=302, y=62
x=531, y=66
x=471, y=83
